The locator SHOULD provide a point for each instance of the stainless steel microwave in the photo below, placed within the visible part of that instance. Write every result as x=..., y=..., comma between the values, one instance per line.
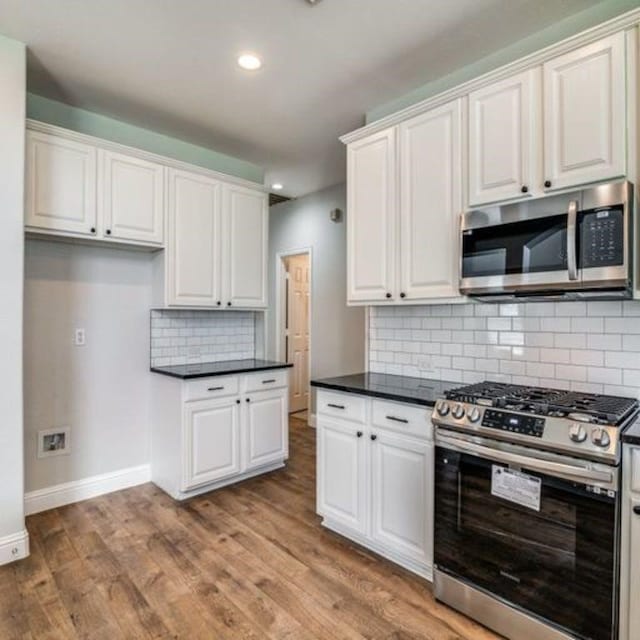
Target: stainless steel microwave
x=576, y=245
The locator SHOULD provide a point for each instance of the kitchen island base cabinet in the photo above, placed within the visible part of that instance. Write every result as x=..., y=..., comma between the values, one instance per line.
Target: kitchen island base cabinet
x=212, y=432
x=374, y=482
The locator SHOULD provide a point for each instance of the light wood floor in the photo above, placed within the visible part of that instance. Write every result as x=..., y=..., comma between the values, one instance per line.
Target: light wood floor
x=246, y=562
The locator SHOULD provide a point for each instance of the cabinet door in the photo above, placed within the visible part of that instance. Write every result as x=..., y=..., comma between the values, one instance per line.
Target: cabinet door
x=267, y=433
x=61, y=185
x=245, y=228
x=634, y=573
x=132, y=198
x=402, y=500
x=341, y=475
x=212, y=441
x=584, y=114
x=503, y=128
x=430, y=203
x=193, y=242
x=371, y=218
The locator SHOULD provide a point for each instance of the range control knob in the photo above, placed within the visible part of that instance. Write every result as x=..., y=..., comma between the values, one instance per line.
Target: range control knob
x=577, y=433
x=458, y=412
x=600, y=437
x=443, y=408
x=474, y=415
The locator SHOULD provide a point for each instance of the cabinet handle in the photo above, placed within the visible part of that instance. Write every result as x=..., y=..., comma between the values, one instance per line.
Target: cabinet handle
x=218, y=303
x=248, y=399
x=403, y=295
x=359, y=434
x=238, y=401
x=268, y=381
x=524, y=188
x=636, y=510
x=93, y=229
x=388, y=295
x=547, y=183
x=215, y=388
x=394, y=419
x=108, y=232
x=336, y=406
x=374, y=436
x=229, y=304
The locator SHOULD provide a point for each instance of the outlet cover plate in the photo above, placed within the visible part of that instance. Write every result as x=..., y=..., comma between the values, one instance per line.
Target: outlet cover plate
x=54, y=442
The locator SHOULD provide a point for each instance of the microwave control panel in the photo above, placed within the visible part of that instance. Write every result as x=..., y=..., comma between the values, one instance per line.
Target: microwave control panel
x=513, y=422
x=602, y=238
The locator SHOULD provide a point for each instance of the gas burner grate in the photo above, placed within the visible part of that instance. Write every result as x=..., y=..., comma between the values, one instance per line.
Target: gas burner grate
x=601, y=409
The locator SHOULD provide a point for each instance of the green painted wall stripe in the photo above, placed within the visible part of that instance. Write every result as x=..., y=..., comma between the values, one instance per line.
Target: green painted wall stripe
x=570, y=26
x=94, y=124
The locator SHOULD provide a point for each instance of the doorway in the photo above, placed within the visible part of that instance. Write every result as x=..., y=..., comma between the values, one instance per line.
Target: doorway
x=294, y=330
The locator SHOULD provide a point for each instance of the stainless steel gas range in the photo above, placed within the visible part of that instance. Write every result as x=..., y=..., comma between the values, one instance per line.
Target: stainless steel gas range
x=527, y=509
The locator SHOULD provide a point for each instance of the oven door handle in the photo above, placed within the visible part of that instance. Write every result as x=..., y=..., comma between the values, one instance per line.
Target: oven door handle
x=557, y=469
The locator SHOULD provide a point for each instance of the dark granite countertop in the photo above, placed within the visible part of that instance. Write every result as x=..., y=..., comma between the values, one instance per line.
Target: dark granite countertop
x=390, y=387
x=226, y=367
x=632, y=434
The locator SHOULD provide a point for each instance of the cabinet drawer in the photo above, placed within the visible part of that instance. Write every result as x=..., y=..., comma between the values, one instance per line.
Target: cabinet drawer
x=211, y=388
x=266, y=380
x=635, y=469
x=403, y=418
x=342, y=405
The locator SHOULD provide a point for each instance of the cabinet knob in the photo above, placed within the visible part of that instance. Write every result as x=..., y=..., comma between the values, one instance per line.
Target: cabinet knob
x=229, y=304
x=108, y=232
x=248, y=399
x=218, y=303
x=374, y=436
x=403, y=295
x=237, y=401
x=636, y=510
x=388, y=295
x=547, y=183
x=524, y=188
x=93, y=229
x=359, y=434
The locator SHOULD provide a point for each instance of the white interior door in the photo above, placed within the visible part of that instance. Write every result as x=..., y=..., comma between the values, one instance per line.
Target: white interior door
x=193, y=247
x=61, y=184
x=298, y=287
x=132, y=198
x=504, y=123
x=245, y=229
x=584, y=114
x=212, y=441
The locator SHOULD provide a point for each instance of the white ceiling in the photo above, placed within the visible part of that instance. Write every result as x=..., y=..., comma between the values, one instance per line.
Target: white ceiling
x=170, y=65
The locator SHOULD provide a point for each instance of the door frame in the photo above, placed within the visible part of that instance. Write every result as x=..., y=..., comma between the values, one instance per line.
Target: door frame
x=280, y=305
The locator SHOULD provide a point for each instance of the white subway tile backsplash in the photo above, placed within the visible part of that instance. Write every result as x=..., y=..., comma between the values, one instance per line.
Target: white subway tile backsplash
x=185, y=337
x=569, y=345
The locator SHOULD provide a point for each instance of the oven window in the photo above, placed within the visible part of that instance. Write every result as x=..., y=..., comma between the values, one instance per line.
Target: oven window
x=557, y=563
x=529, y=246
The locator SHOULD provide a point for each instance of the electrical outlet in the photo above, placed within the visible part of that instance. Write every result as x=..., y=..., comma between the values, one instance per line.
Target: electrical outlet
x=79, y=338
x=425, y=364
x=54, y=442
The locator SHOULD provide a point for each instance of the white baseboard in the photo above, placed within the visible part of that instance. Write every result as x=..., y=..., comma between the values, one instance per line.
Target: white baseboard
x=14, y=547
x=60, y=494
x=312, y=420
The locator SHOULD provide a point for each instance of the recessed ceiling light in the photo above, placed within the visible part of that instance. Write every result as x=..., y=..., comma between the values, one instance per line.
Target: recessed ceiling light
x=249, y=61
x=276, y=186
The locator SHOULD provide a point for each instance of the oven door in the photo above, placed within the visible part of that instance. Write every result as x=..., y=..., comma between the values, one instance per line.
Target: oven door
x=540, y=534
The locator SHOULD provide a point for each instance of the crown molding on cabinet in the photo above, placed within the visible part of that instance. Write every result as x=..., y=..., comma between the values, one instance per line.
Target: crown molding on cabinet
x=43, y=127
x=625, y=21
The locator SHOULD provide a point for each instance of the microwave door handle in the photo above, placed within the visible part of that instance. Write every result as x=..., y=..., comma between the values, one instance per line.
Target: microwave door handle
x=567, y=471
x=572, y=223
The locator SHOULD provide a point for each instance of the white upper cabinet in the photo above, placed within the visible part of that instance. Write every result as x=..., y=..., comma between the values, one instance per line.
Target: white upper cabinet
x=244, y=229
x=371, y=219
x=132, y=198
x=430, y=203
x=504, y=134
x=584, y=114
x=61, y=185
x=193, y=256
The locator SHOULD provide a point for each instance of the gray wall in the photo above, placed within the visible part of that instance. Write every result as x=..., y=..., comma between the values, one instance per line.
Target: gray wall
x=12, y=116
x=101, y=390
x=337, y=331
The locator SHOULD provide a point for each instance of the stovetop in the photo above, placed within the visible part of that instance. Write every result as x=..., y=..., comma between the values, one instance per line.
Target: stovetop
x=573, y=405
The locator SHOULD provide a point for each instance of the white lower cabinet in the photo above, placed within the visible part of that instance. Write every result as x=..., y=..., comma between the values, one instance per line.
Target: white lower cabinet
x=210, y=432
x=630, y=546
x=375, y=479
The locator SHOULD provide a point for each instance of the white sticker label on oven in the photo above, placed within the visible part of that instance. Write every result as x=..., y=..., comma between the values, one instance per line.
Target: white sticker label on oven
x=516, y=486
